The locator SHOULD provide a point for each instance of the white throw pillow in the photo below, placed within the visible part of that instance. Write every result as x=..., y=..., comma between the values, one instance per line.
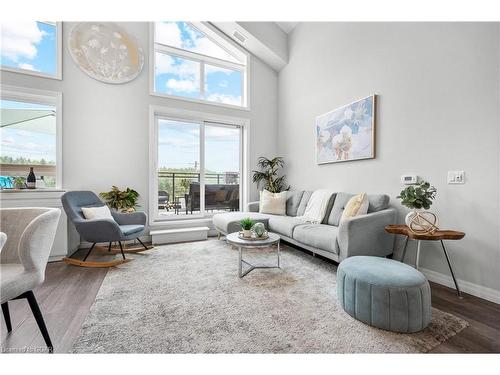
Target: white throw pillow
x=272, y=203
x=102, y=212
x=316, y=206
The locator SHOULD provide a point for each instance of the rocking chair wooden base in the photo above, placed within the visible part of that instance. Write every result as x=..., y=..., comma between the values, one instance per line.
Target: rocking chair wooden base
x=92, y=264
x=109, y=250
x=129, y=250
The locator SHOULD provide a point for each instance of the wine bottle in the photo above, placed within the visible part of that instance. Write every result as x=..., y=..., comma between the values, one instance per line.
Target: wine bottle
x=31, y=180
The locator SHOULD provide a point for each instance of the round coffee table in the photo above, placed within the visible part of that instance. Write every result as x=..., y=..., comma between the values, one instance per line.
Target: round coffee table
x=241, y=243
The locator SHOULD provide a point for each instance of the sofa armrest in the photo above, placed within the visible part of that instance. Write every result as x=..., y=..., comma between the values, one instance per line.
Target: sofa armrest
x=253, y=206
x=365, y=234
x=98, y=230
x=137, y=217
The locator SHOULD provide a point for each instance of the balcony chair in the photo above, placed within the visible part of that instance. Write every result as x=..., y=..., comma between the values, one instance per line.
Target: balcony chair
x=124, y=227
x=29, y=237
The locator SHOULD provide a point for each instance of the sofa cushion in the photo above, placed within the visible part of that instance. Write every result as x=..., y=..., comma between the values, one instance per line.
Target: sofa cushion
x=130, y=229
x=293, y=198
x=303, y=202
x=320, y=236
x=377, y=202
x=229, y=222
x=283, y=224
x=338, y=208
x=329, y=208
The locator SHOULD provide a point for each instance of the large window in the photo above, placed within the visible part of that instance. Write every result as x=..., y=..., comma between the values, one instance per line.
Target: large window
x=197, y=166
x=30, y=137
x=31, y=48
x=192, y=61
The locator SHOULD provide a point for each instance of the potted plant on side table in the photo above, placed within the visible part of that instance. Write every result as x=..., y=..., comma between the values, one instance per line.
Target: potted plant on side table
x=419, y=198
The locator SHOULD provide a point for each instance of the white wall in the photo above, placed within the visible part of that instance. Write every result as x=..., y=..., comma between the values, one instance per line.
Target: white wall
x=105, y=127
x=438, y=110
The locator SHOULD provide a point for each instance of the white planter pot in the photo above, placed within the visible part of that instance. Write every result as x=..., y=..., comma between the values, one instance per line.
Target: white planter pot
x=409, y=216
x=247, y=233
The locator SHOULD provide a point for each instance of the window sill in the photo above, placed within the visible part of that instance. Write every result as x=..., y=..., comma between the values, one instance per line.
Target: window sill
x=38, y=190
x=176, y=223
x=31, y=195
x=199, y=101
x=57, y=76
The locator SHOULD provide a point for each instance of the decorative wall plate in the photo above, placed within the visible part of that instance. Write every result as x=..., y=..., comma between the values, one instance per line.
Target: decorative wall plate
x=105, y=52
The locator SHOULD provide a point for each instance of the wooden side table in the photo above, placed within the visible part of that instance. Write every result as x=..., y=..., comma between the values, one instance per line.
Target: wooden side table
x=438, y=235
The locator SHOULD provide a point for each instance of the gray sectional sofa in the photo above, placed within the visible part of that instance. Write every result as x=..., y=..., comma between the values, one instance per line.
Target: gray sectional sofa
x=333, y=238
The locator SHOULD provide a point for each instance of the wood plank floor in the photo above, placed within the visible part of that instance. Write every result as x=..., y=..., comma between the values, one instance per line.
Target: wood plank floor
x=68, y=292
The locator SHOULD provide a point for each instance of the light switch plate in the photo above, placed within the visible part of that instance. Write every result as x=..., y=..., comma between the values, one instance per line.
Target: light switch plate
x=456, y=177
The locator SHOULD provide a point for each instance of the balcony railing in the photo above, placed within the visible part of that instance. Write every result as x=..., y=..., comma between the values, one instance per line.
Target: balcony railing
x=179, y=192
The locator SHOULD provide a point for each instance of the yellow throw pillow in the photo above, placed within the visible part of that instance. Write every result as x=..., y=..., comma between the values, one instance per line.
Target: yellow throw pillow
x=272, y=203
x=357, y=205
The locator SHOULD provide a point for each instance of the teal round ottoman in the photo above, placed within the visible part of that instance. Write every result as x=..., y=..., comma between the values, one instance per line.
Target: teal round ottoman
x=384, y=293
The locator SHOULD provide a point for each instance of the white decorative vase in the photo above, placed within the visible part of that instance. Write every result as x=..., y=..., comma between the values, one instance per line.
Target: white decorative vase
x=247, y=233
x=410, y=216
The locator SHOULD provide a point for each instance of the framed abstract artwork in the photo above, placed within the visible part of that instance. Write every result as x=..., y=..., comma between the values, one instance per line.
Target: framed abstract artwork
x=347, y=133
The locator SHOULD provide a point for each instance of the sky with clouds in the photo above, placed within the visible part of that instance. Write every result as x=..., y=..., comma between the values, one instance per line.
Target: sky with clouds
x=23, y=143
x=179, y=146
x=29, y=45
x=179, y=76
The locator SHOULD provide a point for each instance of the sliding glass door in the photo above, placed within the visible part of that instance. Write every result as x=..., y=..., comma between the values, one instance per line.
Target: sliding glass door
x=222, y=167
x=198, y=168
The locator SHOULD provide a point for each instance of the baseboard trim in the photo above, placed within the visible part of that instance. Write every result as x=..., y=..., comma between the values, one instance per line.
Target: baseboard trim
x=465, y=286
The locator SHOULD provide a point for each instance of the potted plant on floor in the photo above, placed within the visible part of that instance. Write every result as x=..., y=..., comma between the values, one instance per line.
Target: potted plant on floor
x=246, y=226
x=268, y=174
x=121, y=200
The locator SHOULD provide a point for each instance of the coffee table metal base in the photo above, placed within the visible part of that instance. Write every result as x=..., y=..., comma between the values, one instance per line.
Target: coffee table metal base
x=251, y=266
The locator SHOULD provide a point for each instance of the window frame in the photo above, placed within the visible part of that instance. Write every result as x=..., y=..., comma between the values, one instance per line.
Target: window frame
x=59, y=51
x=219, y=37
x=44, y=97
x=173, y=113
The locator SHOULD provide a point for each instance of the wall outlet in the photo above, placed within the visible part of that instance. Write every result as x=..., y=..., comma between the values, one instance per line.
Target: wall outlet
x=456, y=177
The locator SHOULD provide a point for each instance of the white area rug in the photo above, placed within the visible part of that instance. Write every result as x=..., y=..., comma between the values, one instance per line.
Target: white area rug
x=187, y=298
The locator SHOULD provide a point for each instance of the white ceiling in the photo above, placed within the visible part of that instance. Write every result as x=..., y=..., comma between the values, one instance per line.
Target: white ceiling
x=287, y=26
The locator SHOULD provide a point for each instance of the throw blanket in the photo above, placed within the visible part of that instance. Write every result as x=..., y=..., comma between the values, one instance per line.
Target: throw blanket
x=316, y=206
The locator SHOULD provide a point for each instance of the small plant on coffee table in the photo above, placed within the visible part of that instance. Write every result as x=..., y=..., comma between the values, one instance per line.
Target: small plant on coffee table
x=246, y=223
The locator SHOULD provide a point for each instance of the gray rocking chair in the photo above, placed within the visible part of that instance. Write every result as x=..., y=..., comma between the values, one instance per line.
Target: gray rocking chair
x=124, y=227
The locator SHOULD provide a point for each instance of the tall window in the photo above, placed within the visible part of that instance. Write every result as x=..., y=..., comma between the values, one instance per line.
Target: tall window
x=192, y=61
x=197, y=169
x=30, y=137
x=31, y=48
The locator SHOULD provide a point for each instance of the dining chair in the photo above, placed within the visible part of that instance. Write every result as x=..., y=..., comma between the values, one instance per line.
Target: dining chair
x=30, y=233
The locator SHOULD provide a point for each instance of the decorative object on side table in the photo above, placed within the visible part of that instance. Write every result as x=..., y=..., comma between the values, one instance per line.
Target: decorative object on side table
x=437, y=235
x=121, y=200
x=268, y=174
x=347, y=133
x=31, y=180
x=246, y=226
x=417, y=198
